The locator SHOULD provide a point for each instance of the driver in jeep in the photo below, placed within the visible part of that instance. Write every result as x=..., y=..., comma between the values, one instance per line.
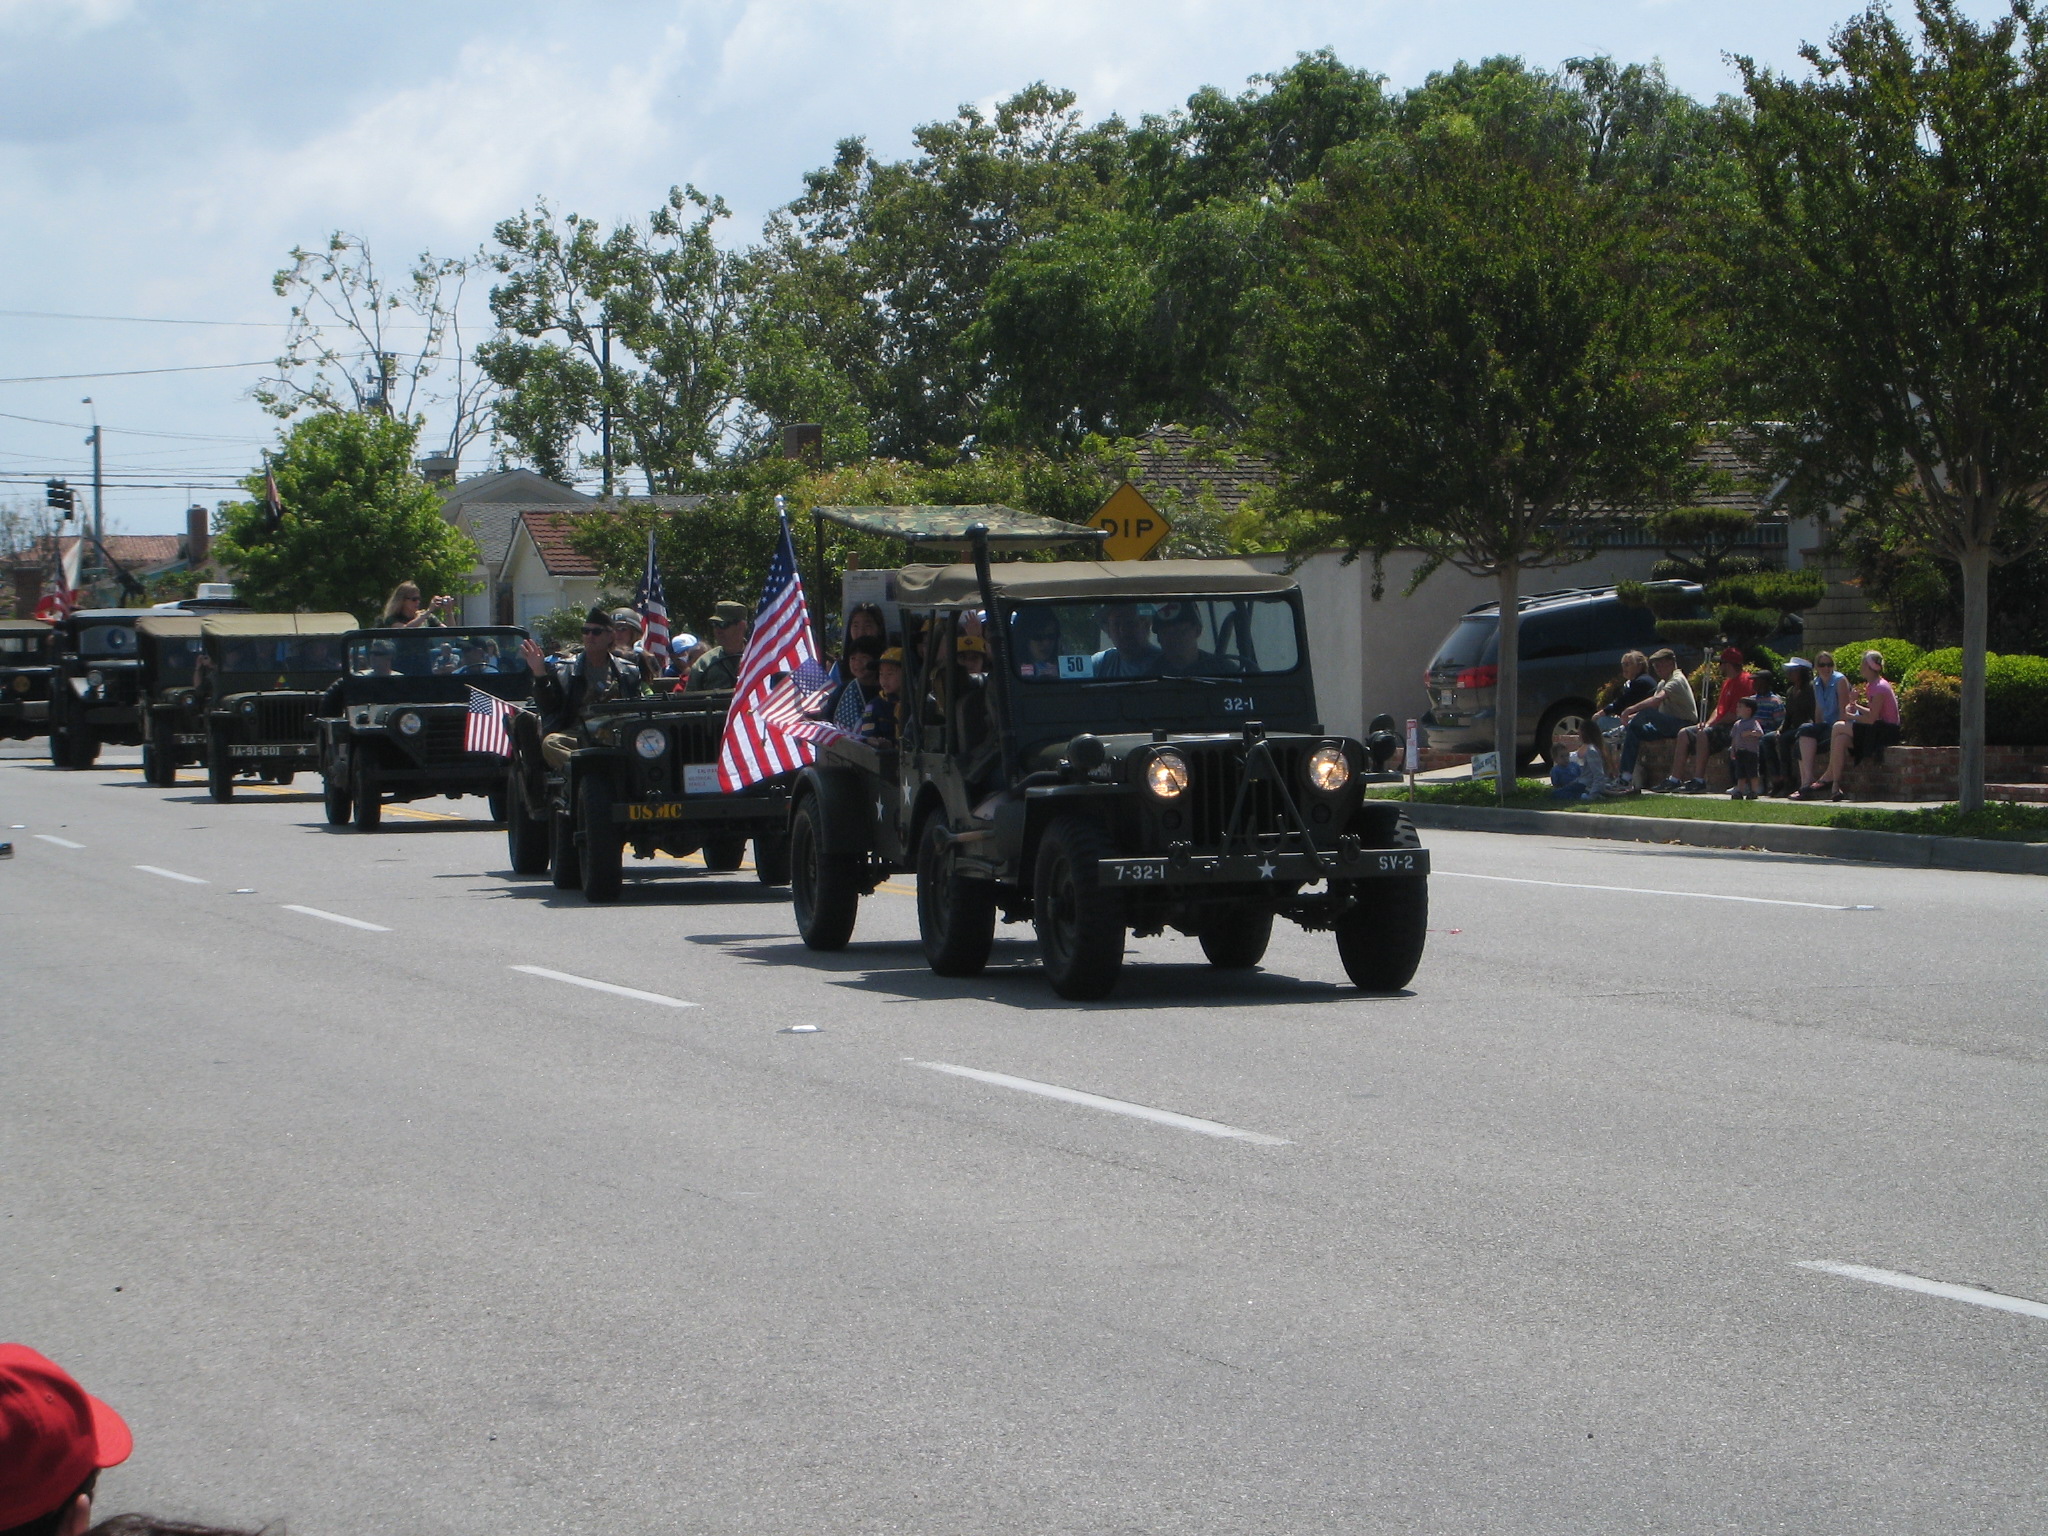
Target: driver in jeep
x=568, y=692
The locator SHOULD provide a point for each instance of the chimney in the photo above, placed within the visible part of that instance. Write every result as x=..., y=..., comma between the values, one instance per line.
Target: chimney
x=198, y=538
x=438, y=468
x=804, y=440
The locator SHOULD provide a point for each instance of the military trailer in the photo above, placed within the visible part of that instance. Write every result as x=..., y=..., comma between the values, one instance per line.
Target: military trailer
x=171, y=713
x=264, y=675
x=28, y=668
x=98, y=681
x=1143, y=753
x=397, y=726
x=644, y=779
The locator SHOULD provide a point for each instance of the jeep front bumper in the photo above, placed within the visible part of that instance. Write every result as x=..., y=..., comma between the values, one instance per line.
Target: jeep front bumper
x=1259, y=868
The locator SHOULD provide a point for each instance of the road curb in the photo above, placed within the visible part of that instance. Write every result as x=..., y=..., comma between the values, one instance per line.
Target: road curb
x=1908, y=850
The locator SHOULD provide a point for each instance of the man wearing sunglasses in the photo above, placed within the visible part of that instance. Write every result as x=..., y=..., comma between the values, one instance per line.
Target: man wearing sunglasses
x=568, y=692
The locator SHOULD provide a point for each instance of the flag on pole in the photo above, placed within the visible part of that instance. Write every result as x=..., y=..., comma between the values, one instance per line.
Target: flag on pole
x=653, y=607
x=485, y=728
x=60, y=602
x=273, y=504
x=766, y=729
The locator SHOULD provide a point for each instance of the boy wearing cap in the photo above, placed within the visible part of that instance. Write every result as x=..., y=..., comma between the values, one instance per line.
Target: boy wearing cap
x=1697, y=743
x=884, y=716
x=718, y=669
x=55, y=1439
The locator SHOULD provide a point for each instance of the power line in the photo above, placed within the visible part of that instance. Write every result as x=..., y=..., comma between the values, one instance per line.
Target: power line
x=129, y=373
x=51, y=314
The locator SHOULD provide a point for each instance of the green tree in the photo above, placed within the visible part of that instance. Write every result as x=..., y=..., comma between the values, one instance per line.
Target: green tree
x=356, y=521
x=644, y=324
x=1477, y=354
x=1897, y=292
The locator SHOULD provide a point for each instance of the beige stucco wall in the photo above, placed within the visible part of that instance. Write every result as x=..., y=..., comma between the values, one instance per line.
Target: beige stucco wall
x=535, y=591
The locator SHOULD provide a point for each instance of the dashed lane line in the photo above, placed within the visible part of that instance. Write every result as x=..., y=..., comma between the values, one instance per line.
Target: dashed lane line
x=1637, y=890
x=1945, y=1289
x=603, y=986
x=171, y=874
x=61, y=842
x=336, y=917
x=1096, y=1101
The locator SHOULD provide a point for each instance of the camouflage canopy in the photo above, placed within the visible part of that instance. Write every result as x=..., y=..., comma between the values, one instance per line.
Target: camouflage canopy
x=1009, y=531
x=1084, y=580
x=271, y=626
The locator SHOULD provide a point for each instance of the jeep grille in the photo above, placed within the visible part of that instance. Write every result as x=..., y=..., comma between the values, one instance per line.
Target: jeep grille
x=287, y=719
x=1215, y=771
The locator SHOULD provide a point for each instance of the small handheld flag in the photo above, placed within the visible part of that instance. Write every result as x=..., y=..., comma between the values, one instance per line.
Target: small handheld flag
x=653, y=606
x=484, y=730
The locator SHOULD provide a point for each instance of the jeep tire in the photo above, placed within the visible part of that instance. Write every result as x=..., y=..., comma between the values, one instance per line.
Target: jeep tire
x=823, y=886
x=565, y=862
x=1234, y=936
x=365, y=791
x=1380, y=938
x=1080, y=925
x=724, y=853
x=771, y=858
x=220, y=768
x=334, y=793
x=956, y=918
x=604, y=845
x=526, y=835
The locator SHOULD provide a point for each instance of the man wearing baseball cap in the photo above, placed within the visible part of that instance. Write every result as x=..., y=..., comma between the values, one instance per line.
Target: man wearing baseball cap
x=719, y=668
x=55, y=1438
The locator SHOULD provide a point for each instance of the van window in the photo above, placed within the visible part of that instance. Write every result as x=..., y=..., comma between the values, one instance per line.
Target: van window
x=1473, y=643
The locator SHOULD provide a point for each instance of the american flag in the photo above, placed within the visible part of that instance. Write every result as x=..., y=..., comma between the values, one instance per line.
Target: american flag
x=485, y=730
x=653, y=607
x=766, y=730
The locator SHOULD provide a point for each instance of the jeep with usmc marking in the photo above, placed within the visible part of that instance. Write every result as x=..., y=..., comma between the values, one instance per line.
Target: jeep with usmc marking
x=397, y=725
x=263, y=676
x=1143, y=753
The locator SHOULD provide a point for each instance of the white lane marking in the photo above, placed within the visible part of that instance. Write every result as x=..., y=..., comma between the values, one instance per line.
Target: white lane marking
x=336, y=917
x=1637, y=890
x=172, y=874
x=1097, y=1101
x=604, y=986
x=1976, y=1298
x=61, y=842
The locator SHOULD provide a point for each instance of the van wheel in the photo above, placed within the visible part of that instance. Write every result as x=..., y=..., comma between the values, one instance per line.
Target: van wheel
x=1571, y=715
x=956, y=918
x=822, y=884
x=604, y=845
x=771, y=859
x=1080, y=925
x=723, y=855
x=1380, y=939
x=526, y=835
x=366, y=792
x=1235, y=937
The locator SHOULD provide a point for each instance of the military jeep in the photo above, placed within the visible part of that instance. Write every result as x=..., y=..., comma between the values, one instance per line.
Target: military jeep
x=646, y=778
x=263, y=677
x=1101, y=781
x=28, y=667
x=97, y=683
x=397, y=725
x=170, y=707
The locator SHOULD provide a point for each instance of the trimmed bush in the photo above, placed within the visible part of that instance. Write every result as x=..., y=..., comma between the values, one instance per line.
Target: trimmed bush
x=1948, y=661
x=1931, y=710
x=2015, y=701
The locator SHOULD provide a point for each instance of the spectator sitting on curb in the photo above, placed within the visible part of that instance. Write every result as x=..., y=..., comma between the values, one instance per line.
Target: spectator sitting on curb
x=1832, y=696
x=1659, y=717
x=1583, y=774
x=1698, y=743
x=1781, y=747
x=1745, y=751
x=1634, y=687
x=1864, y=730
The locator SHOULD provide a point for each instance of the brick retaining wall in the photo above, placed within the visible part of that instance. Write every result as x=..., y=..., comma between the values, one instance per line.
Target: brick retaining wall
x=1906, y=773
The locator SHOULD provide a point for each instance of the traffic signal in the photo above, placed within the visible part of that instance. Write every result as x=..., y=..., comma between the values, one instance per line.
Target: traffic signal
x=59, y=495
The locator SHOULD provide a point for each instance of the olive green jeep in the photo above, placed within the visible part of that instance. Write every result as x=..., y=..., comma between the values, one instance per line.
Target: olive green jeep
x=28, y=667
x=263, y=676
x=170, y=704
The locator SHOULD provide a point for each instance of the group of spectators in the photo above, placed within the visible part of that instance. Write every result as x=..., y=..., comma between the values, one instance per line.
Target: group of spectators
x=55, y=1440
x=1774, y=743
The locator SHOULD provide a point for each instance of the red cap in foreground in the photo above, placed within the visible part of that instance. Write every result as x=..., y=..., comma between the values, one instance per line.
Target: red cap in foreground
x=53, y=1435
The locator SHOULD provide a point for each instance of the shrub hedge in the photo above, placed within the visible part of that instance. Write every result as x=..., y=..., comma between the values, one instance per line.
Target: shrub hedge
x=1900, y=658
x=1931, y=701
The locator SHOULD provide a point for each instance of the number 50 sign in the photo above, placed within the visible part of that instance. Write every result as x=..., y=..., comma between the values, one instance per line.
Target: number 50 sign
x=1135, y=527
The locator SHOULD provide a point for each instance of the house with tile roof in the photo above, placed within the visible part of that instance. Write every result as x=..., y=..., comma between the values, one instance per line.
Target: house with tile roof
x=543, y=570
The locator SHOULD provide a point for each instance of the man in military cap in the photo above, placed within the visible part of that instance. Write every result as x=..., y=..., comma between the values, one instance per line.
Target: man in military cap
x=568, y=692
x=1178, y=629
x=719, y=668
x=626, y=631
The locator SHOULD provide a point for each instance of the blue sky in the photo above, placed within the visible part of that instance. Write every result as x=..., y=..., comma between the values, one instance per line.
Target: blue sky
x=158, y=158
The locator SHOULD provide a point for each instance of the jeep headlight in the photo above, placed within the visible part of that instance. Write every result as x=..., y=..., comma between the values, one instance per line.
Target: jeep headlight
x=97, y=678
x=651, y=742
x=408, y=724
x=21, y=685
x=1328, y=769
x=248, y=706
x=1166, y=774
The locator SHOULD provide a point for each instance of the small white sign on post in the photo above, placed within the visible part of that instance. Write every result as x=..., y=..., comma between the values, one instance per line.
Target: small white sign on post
x=1412, y=762
x=1486, y=765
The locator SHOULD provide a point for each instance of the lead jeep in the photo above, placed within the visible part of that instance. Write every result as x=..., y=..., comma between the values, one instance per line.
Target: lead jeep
x=644, y=778
x=397, y=726
x=97, y=683
x=28, y=667
x=170, y=709
x=262, y=680
x=1102, y=784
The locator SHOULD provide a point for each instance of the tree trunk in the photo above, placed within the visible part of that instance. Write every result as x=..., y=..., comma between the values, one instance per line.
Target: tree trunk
x=1976, y=564
x=1507, y=693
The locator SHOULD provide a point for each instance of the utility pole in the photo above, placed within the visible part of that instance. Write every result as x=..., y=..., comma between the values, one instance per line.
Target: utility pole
x=605, y=372
x=99, y=508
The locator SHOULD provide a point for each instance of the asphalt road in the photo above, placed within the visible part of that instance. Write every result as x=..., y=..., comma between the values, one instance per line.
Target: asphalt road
x=365, y=1228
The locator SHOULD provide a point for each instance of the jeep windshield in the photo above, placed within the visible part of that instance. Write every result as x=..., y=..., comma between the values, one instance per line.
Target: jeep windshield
x=435, y=653
x=1131, y=641
x=284, y=653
